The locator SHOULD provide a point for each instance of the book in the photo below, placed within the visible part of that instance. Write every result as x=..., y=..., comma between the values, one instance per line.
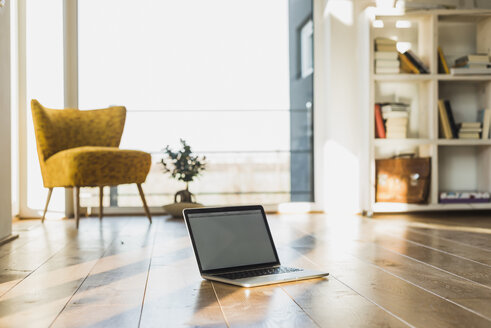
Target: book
x=393, y=121
x=469, y=135
x=464, y=197
x=395, y=114
x=470, y=70
x=396, y=135
x=473, y=65
x=442, y=63
x=446, y=131
x=473, y=59
x=386, y=63
x=470, y=125
x=386, y=47
x=470, y=130
x=451, y=120
x=399, y=126
x=417, y=62
x=386, y=55
x=407, y=66
x=379, y=123
x=396, y=129
x=485, y=118
x=386, y=70
x=393, y=107
x=478, y=58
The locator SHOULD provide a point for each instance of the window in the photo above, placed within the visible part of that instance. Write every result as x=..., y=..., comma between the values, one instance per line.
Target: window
x=43, y=81
x=215, y=73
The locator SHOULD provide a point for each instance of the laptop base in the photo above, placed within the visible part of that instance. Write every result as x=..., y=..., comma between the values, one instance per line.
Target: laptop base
x=269, y=279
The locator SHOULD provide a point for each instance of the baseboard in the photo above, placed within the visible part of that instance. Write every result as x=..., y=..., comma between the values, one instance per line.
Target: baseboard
x=137, y=210
x=8, y=239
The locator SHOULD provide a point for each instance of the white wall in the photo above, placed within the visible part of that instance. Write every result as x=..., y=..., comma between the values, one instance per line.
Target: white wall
x=5, y=137
x=338, y=125
x=339, y=130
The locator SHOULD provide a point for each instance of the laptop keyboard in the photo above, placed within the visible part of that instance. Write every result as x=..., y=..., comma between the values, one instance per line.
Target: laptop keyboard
x=258, y=272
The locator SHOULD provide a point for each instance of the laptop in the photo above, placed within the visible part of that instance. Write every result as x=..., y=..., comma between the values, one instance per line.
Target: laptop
x=234, y=245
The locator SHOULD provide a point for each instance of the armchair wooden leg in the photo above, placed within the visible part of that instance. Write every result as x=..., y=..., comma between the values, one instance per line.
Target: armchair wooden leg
x=101, y=195
x=47, y=202
x=76, y=204
x=144, y=201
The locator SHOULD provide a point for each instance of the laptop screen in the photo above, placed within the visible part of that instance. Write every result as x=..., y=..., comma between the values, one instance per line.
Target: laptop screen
x=231, y=239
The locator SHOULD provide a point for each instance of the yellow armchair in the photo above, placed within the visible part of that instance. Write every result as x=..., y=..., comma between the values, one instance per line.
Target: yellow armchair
x=81, y=149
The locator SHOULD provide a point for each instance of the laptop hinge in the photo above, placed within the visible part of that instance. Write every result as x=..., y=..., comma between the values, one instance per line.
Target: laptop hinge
x=242, y=270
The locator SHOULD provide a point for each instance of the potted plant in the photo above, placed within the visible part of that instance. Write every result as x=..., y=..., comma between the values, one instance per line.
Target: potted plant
x=184, y=166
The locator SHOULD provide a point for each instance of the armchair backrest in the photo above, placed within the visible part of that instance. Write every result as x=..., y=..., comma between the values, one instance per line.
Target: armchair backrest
x=57, y=130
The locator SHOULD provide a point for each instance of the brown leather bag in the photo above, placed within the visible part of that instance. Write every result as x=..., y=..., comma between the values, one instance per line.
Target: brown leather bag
x=403, y=180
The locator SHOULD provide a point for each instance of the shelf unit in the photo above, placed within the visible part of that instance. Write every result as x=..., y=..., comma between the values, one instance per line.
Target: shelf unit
x=455, y=164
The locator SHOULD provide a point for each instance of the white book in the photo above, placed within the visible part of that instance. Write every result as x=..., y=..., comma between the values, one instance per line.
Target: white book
x=470, y=71
x=473, y=65
x=386, y=47
x=396, y=127
x=386, y=63
x=476, y=58
x=394, y=114
x=470, y=130
x=470, y=125
x=397, y=121
x=473, y=135
x=386, y=70
x=396, y=135
x=402, y=133
x=386, y=55
x=394, y=108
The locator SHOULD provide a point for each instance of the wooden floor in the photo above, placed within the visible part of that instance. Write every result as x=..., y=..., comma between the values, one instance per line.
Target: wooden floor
x=392, y=271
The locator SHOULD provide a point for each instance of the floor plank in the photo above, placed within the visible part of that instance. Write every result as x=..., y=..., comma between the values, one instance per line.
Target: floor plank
x=176, y=294
x=471, y=239
x=445, y=245
x=468, y=229
x=267, y=306
x=329, y=302
x=35, y=247
x=112, y=293
x=38, y=299
x=459, y=266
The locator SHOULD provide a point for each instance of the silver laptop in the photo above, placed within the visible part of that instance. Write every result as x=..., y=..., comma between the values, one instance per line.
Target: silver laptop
x=234, y=245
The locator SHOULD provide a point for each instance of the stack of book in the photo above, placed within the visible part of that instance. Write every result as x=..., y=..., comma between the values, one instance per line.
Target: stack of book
x=410, y=63
x=484, y=116
x=470, y=130
x=448, y=127
x=472, y=65
x=386, y=56
x=455, y=197
x=391, y=120
x=465, y=130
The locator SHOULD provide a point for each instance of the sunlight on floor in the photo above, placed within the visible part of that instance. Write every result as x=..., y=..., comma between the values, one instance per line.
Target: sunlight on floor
x=450, y=227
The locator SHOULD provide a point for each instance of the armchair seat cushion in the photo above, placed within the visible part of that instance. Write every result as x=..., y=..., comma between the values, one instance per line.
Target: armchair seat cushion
x=91, y=166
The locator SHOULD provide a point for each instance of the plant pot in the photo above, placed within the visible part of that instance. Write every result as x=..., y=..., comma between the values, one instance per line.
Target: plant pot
x=184, y=196
x=175, y=209
x=182, y=199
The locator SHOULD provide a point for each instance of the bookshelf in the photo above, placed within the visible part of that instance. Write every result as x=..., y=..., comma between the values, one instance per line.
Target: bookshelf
x=456, y=164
